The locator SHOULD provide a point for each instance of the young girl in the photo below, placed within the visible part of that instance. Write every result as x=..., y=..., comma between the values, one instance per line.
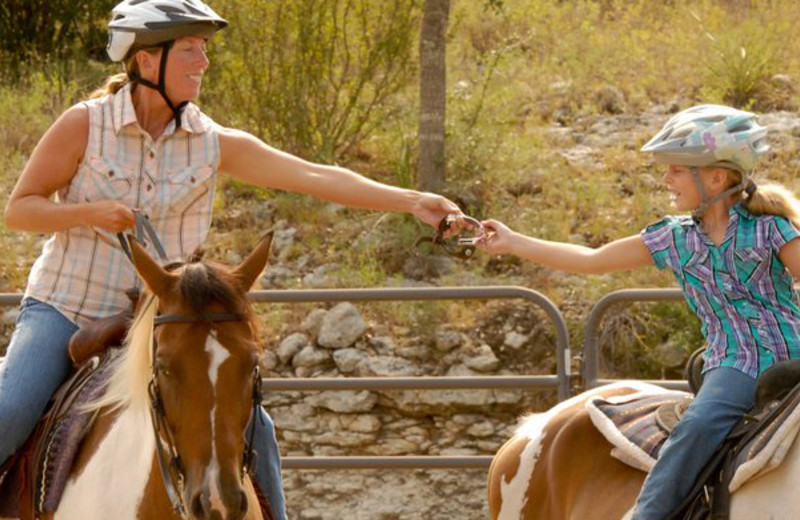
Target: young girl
x=735, y=258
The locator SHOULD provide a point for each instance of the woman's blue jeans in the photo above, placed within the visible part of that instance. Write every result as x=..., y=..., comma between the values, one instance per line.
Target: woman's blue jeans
x=725, y=396
x=36, y=364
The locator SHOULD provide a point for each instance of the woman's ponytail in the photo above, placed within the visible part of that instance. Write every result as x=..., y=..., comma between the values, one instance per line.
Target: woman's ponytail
x=112, y=85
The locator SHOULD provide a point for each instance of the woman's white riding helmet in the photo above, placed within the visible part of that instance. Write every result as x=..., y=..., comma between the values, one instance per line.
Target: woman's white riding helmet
x=711, y=135
x=148, y=23
x=137, y=24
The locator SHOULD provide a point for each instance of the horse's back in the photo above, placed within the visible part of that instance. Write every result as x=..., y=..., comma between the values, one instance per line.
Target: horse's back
x=558, y=466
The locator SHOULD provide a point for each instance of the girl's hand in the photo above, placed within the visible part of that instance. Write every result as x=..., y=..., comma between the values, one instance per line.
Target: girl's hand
x=498, y=238
x=110, y=215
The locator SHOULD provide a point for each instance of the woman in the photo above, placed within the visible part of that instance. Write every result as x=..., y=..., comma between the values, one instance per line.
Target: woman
x=141, y=145
x=736, y=258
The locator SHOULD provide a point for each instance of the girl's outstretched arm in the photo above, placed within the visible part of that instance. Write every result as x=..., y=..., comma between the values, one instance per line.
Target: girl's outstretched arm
x=625, y=253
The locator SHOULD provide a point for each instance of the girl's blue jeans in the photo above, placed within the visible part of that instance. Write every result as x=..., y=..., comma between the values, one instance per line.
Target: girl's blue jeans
x=36, y=364
x=725, y=396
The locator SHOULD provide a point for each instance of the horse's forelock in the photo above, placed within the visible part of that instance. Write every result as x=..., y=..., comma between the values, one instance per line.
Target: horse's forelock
x=203, y=283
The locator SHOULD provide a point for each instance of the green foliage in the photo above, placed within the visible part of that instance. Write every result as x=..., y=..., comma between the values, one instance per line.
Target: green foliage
x=50, y=29
x=313, y=77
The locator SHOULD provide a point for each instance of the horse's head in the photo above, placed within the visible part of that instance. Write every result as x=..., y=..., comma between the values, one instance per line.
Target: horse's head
x=204, y=371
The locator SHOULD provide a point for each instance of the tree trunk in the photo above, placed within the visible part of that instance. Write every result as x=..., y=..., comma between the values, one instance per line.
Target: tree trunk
x=433, y=95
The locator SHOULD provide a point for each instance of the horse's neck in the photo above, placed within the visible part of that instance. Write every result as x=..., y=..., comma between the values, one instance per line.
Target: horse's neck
x=113, y=469
x=772, y=496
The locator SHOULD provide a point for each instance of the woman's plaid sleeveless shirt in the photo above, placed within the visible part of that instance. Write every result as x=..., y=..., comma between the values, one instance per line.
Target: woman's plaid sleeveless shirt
x=741, y=291
x=82, y=271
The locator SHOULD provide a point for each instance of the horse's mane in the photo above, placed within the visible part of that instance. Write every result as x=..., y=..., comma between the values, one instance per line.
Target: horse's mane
x=201, y=283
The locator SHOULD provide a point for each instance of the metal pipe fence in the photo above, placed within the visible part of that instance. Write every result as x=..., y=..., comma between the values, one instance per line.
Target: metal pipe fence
x=561, y=380
x=591, y=355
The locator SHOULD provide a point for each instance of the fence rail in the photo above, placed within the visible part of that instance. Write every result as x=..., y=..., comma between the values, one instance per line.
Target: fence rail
x=591, y=362
x=561, y=380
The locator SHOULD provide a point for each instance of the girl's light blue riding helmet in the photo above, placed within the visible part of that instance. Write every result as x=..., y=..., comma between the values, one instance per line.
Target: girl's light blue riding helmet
x=711, y=135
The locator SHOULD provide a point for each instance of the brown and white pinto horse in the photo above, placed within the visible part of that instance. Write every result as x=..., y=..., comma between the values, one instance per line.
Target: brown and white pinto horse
x=558, y=466
x=204, y=371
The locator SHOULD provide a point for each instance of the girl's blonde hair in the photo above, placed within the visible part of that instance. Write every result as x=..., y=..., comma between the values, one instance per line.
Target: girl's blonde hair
x=769, y=199
x=114, y=83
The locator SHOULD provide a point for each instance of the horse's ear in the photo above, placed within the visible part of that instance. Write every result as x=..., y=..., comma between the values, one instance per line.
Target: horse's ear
x=249, y=270
x=157, y=279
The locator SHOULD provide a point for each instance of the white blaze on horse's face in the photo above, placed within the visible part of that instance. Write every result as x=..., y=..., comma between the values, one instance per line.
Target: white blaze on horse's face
x=217, y=355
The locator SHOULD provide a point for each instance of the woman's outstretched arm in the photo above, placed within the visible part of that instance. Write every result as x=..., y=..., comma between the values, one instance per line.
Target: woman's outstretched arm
x=249, y=159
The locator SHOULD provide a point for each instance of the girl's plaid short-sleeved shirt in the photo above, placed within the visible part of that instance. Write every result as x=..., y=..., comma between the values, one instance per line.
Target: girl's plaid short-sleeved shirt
x=741, y=291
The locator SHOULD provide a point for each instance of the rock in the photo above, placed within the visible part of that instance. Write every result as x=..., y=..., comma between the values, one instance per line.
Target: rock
x=363, y=424
x=291, y=345
x=347, y=401
x=312, y=323
x=341, y=327
x=347, y=359
x=447, y=340
x=276, y=276
x=269, y=360
x=515, y=340
x=426, y=267
x=299, y=418
x=10, y=316
x=311, y=356
x=282, y=242
x=345, y=439
x=320, y=277
x=387, y=366
x=391, y=447
x=383, y=345
x=481, y=429
x=485, y=361
x=581, y=156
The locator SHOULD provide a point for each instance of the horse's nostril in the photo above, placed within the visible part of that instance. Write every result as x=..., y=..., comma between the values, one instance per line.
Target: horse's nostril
x=243, y=504
x=198, y=509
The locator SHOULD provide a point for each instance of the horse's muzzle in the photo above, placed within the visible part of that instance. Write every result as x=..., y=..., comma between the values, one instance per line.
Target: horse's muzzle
x=233, y=506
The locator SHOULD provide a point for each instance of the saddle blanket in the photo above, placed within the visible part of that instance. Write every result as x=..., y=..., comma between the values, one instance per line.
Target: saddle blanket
x=631, y=425
x=59, y=445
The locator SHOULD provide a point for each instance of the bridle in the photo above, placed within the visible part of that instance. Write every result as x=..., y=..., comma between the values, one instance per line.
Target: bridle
x=169, y=460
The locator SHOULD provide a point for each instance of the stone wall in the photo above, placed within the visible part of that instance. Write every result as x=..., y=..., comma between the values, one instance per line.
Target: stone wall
x=335, y=343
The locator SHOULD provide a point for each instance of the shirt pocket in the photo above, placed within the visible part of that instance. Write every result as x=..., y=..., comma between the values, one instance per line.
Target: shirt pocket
x=752, y=264
x=105, y=180
x=186, y=186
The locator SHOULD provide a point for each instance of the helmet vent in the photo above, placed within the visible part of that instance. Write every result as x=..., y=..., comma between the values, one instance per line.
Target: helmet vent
x=740, y=128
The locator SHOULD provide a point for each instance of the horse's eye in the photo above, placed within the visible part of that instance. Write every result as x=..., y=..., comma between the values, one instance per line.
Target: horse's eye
x=163, y=369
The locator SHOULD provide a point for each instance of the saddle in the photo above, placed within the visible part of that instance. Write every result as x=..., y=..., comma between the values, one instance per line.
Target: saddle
x=32, y=481
x=638, y=425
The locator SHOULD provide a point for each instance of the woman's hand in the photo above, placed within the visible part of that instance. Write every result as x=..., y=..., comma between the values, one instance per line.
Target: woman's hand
x=498, y=238
x=109, y=215
x=431, y=209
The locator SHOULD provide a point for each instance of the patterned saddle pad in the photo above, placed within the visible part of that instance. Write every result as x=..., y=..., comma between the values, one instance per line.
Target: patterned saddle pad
x=638, y=424
x=38, y=474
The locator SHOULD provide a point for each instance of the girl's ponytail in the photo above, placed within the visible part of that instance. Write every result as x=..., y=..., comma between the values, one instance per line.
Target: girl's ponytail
x=773, y=199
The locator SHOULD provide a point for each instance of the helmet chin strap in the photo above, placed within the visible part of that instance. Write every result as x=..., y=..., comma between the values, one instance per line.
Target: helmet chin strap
x=161, y=87
x=707, y=201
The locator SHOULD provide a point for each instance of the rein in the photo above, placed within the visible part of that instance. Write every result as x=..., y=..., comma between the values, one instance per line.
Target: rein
x=169, y=461
x=462, y=247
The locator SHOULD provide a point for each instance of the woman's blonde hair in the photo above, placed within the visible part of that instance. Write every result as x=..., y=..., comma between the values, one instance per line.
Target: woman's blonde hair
x=114, y=83
x=769, y=199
